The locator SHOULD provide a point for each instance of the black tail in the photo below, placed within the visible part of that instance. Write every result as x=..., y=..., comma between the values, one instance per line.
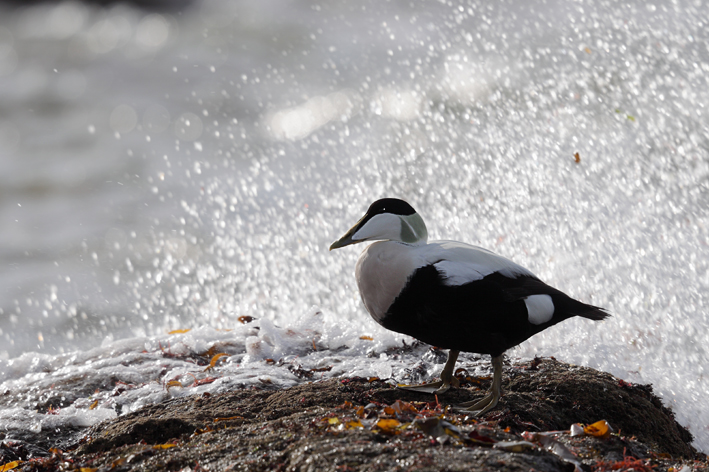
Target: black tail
x=592, y=312
x=565, y=306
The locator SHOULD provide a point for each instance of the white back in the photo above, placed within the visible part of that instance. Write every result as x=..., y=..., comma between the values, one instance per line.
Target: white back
x=461, y=263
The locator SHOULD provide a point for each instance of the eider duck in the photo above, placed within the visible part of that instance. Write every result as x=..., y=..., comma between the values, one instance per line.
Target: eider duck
x=450, y=294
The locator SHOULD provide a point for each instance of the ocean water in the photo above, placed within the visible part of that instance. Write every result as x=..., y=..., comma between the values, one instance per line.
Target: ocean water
x=177, y=170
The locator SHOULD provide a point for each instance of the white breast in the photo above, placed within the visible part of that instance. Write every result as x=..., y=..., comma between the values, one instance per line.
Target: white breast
x=382, y=271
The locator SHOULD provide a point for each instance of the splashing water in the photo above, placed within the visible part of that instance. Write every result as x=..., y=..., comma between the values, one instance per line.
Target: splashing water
x=571, y=138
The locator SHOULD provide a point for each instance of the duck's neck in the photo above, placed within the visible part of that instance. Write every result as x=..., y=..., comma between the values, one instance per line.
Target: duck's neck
x=413, y=229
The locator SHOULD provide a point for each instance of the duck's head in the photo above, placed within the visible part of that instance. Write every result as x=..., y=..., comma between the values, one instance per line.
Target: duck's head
x=388, y=219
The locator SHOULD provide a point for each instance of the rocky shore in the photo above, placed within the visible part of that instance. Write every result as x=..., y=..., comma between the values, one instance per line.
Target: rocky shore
x=353, y=424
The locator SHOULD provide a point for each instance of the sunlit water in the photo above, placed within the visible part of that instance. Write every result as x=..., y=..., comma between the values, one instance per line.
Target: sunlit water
x=163, y=171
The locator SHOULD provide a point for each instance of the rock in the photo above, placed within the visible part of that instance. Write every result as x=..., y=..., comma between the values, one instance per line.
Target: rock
x=324, y=425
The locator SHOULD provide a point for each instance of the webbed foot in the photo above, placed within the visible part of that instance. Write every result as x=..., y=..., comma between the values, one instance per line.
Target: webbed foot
x=440, y=386
x=489, y=401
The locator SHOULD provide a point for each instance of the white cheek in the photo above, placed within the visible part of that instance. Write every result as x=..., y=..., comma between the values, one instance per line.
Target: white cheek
x=540, y=308
x=379, y=227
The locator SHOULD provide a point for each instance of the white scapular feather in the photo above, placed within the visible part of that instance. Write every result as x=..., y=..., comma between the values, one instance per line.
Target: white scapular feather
x=461, y=263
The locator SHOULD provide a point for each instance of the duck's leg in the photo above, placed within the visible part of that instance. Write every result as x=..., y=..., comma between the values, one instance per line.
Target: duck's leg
x=442, y=385
x=490, y=400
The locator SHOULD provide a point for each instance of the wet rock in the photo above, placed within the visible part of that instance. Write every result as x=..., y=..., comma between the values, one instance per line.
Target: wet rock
x=324, y=425
x=141, y=430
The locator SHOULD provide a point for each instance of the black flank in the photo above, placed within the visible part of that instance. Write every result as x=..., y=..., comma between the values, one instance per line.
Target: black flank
x=486, y=316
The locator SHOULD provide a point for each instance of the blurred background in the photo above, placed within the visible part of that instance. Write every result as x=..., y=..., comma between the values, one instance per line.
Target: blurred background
x=170, y=165
x=117, y=121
